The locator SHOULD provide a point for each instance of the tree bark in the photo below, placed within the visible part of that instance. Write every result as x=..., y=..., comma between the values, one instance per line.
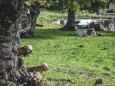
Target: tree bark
x=70, y=22
x=29, y=20
x=10, y=21
x=26, y=23
x=11, y=66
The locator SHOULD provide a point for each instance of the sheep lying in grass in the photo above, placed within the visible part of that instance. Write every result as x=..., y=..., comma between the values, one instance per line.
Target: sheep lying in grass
x=25, y=50
x=85, y=32
x=42, y=68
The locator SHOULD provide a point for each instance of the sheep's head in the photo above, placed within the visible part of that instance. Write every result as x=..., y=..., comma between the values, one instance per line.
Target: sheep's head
x=29, y=49
x=44, y=66
x=25, y=50
x=91, y=25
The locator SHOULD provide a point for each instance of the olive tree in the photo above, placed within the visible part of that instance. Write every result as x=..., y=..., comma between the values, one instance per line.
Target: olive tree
x=72, y=7
x=77, y=5
x=11, y=66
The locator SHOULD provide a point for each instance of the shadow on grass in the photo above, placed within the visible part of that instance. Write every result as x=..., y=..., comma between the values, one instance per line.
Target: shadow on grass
x=54, y=33
x=108, y=33
x=50, y=33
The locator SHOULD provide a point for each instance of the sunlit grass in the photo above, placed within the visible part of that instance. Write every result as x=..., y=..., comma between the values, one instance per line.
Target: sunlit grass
x=78, y=60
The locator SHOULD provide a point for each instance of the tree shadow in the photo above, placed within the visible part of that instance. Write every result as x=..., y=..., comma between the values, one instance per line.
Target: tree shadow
x=55, y=33
x=108, y=33
x=50, y=34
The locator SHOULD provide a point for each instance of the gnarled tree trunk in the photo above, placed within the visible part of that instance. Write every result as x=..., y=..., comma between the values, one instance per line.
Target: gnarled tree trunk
x=10, y=25
x=26, y=23
x=11, y=66
x=70, y=22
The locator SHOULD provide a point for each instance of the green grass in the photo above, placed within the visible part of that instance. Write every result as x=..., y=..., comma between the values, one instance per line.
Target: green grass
x=72, y=60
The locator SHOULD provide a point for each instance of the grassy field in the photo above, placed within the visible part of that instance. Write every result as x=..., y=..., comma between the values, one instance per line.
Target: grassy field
x=72, y=60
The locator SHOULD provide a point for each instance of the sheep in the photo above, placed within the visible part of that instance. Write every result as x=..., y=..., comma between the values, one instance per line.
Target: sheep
x=85, y=32
x=42, y=68
x=81, y=32
x=24, y=50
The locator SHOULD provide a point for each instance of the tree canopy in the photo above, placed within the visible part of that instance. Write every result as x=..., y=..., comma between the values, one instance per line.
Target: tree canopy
x=90, y=5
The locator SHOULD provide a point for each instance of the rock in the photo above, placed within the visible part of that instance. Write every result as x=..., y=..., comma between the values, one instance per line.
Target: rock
x=99, y=81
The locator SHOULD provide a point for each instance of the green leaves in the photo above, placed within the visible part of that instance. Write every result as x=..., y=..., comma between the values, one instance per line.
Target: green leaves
x=72, y=5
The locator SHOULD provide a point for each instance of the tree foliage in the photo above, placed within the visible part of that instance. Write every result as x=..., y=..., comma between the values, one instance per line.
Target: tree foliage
x=90, y=5
x=72, y=5
x=56, y=4
x=42, y=2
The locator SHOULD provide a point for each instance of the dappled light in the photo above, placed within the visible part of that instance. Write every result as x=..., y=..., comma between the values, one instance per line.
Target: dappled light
x=55, y=33
x=72, y=56
x=57, y=42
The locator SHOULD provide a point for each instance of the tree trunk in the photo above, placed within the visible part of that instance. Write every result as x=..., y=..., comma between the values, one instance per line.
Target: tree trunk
x=26, y=24
x=10, y=20
x=11, y=66
x=70, y=22
x=29, y=20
